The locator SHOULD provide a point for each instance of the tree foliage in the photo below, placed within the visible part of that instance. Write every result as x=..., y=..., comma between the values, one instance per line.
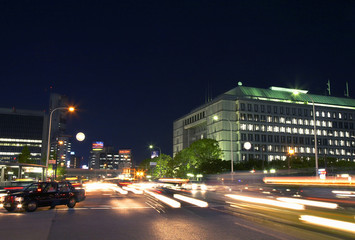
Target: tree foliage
x=25, y=155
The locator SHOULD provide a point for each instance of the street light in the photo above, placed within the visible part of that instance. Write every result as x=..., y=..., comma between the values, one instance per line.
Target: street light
x=315, y=130
x=70, y=109
x=231, y=141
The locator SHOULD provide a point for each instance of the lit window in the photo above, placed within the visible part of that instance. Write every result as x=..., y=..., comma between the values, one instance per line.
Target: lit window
x=335, y=133
x=317, y=113
x=282, y=120
x=282, y=129
x=300, y=131
x=306, y=131
x=330, y=124
x=347, y=134
x=300, y=121
x=269, y=128
x=318, y=123
x=308, y=150
x=324, y=133
x=340, y=115
x=324, y=123
x=306, y=122
x=323, y=114
x=328, y=114
x=341, y=133
x=288, y=130
x=243, y=126
x=294, y=130
x=276, y=129
x=294, y=121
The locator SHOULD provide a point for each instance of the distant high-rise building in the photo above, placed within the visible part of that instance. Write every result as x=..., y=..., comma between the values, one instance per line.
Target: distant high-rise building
x=105, y=157
x=60, y=142
x=264, y=124
x=20, y=128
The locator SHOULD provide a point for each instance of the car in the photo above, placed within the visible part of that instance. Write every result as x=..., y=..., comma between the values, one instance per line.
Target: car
x=43, y=194
x=195, y=185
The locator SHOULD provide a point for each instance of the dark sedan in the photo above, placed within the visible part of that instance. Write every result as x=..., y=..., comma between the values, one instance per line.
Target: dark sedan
x=43, y=194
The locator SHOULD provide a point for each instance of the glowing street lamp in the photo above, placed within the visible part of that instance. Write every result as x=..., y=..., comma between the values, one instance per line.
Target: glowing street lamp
x=70, y=109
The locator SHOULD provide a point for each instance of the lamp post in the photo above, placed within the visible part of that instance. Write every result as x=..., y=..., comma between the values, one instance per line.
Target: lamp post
x=70, y=109
x=231, y=142
x=315, y=132
x=152, y=147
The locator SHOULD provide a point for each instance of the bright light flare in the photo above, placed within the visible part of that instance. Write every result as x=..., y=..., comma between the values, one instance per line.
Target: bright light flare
x=193, y=201
x=309, y=202
x=344, y=193
x=326, y=222
x=71, y=109
x=270, y=202
x=166, y=200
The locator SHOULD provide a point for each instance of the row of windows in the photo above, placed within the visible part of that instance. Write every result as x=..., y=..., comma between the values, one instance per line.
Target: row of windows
x=298, y=149
x=295, y=140
x=195, y=118
x=295, y=121
x=19, y=140
x=295, y=130
x=293, y=111
x=275, y=157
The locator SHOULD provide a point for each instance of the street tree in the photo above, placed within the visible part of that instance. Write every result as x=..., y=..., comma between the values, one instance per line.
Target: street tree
x=25, y=155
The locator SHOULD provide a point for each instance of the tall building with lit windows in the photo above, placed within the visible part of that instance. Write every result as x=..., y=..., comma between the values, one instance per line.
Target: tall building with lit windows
x=256, y=123
x=20, y=128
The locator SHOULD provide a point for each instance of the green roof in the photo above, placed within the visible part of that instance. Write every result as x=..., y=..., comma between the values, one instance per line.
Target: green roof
x=260, y=93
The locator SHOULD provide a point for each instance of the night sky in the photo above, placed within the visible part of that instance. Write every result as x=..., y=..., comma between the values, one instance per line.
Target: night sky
x=133, y=67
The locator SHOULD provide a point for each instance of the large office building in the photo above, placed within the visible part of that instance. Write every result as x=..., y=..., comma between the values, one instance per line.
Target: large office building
x=20, y=128
x=105, y=157
x=256, y=123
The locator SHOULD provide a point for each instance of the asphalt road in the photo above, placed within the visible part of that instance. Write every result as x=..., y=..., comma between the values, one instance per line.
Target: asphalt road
x=111, y=215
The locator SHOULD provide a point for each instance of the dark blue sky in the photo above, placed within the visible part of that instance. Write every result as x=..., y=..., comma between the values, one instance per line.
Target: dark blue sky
x=133, y=67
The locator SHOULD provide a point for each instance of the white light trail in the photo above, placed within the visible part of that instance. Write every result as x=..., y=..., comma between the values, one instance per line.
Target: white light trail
x=309, y=202
x=193, y=201
x=326, y=222
x=166, y=200
x=270, y=202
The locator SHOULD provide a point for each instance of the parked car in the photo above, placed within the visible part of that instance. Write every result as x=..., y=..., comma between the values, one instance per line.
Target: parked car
x=43, y=194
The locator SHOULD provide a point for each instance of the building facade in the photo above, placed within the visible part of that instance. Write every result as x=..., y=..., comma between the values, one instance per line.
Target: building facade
x=256, y=123
x=106, y=157
x=20, y=128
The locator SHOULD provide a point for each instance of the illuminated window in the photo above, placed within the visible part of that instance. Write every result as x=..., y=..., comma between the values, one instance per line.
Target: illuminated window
x=328, y=114
x=257, y=128
x=306, y=122
x=311, y=123
x=340, y=115
x=269, y=128
x=317, y=113
x=263, y=128
x=342, y=143
x=308, y=150
x=341, y=133
x=335, y=133
x=301, y=149
x=288, y=120
x=300, y=121
x=250, y=127
x=330, y=124
x=294, y=121
x=288, y=130
x=324, y=133
x=300, y=131
x=319, y=132
x=282, y=129
x=282, y=120
x=306, y=131
x=294, y=130
x=323, y=114
x=347, y=134
x=269, y=119
x=324, y=123
x=276, y=129
x=243, y=126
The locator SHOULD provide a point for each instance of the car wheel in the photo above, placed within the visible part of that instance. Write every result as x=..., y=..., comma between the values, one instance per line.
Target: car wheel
x=31, y=206
x=71, y=202
x=10, y=209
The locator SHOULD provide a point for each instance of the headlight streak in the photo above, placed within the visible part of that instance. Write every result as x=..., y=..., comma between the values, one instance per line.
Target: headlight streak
x=135, y=191
x=309, y=202
x=270, y=202
x=166, y=200
x=118, y=189
x=193, y=201
x=326, y=222
x=344, y=193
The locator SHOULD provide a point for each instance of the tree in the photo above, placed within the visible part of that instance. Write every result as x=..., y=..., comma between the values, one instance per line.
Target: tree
x=25, y=155
x=162, y=167
x=205, y=152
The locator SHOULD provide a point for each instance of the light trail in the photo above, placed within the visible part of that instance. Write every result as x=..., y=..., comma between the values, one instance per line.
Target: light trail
x=309, y=202
x=166, y=200
x=294, y=206
x=193, y=201
x=330, y=223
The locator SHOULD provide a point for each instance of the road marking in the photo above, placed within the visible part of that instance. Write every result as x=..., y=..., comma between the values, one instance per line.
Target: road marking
x=260, y=231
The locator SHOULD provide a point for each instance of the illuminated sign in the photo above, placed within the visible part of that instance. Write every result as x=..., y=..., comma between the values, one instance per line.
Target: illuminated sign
x=125, y=151
x=154, y=154
x=97, y=146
